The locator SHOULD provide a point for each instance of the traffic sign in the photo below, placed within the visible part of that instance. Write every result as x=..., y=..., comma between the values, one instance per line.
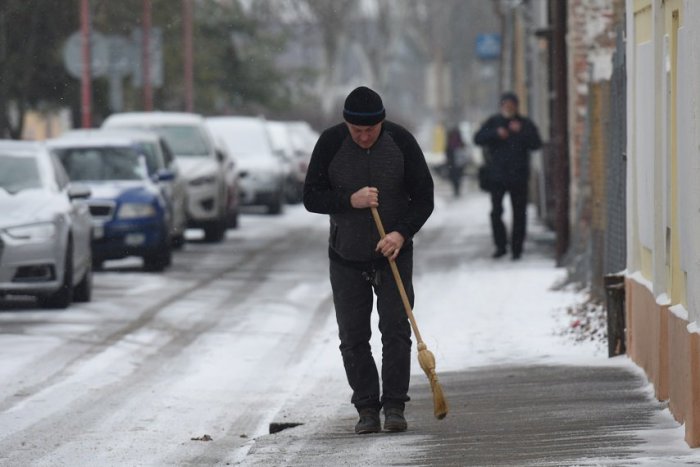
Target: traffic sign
x=99, y=55
x=488, y=46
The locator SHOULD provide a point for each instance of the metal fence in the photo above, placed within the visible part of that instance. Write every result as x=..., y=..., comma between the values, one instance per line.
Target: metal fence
x=615, y=251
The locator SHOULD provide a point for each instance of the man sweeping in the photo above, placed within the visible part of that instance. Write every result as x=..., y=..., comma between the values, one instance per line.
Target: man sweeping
x=368, y=162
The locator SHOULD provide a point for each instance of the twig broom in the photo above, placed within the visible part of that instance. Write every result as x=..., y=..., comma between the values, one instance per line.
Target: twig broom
x=425, y=356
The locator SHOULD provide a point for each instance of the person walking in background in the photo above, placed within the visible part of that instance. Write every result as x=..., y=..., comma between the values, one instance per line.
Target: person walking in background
x=366, y=162
x=508, y=138
x=456, y=159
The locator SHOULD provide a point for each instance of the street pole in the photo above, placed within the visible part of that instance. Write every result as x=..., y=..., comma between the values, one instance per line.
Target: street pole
x=559, y=128
x=146, y=57
x=188, y=54
x=86, y=74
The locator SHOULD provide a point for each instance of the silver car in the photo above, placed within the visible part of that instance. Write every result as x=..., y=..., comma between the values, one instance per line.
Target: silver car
x=261, y=171
x=45, y=229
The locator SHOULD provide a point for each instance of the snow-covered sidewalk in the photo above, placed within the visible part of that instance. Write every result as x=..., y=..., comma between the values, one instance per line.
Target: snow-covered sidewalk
x=484, y=318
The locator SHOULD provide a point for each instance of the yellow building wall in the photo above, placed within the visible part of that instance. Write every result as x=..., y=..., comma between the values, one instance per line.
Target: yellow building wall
x=662, y=324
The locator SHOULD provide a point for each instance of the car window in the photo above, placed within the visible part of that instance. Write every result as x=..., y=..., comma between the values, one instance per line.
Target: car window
x=59, y=173
x=185, y=140
x=19, y=173
x=167, y=153
x=244, y=140
x=153, y=159
x=102, y=163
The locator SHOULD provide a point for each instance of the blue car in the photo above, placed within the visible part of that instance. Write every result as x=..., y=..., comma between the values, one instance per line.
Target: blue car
x=129, y=211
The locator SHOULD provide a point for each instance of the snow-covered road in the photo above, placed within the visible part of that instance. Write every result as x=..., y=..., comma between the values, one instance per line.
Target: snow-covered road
x=238, y=335
x=211, y=347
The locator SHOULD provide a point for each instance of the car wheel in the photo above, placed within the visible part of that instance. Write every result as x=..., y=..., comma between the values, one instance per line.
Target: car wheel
x=233, y=220
x=178, y=241
x=97, y=264
x=215, y=231
x=83, y=291
x=276, y=206
x=64, y=295
x=158, y=260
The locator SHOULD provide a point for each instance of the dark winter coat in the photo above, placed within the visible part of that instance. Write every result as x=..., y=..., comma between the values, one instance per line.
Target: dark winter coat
x=508, y=160
x=394, y=164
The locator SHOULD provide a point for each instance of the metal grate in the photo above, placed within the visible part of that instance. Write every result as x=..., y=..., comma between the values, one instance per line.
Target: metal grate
x=101, y=210
x=616, y=167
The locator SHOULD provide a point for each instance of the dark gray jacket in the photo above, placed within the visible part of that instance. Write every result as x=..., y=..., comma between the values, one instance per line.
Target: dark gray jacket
x=395, y=165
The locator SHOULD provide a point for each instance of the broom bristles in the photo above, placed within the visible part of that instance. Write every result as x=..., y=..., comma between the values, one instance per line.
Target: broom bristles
x=439, y=401
x=427, y=363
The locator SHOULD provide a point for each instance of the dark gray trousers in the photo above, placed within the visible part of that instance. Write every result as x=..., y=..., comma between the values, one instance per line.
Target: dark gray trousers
x=518, y=201
x=353, y=290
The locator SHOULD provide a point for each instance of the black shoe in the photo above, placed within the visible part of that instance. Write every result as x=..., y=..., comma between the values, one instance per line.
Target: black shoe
x=394, y=420
x=516, y=256
x=369, y=422
x=498, y=253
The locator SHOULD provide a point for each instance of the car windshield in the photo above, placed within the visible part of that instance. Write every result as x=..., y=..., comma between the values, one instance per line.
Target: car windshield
x=101, y=163
x=245, y=140
x=184, y=140
x=19, y=173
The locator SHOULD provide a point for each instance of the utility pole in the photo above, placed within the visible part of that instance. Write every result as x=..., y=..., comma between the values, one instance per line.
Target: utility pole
x=559, y=129
x=146, y=57
x=188, y=54
x=86, y=74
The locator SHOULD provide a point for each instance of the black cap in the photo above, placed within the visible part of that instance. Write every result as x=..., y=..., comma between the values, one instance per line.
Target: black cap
x=509, y=96
x=363, y=107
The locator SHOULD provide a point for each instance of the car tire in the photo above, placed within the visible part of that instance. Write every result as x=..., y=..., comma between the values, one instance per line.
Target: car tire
x=276, y=206
x=97, y=264
x=83, y=291
x=178, y=241
x=232, y=222
x=215, y=231
x=159, y=259
x=63, y=297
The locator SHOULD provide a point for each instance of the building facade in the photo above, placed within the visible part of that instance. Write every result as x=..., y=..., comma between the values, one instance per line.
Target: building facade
x=663, y=201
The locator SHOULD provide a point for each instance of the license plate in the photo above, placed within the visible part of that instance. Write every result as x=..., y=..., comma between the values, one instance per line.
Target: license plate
x=134, y=239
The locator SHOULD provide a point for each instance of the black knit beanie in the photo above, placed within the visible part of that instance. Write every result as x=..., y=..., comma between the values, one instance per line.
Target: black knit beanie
x=509, y=96
x=363, y=107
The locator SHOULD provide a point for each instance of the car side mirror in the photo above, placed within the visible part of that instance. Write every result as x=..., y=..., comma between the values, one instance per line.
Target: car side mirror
x=77, y=191
x=165, y=175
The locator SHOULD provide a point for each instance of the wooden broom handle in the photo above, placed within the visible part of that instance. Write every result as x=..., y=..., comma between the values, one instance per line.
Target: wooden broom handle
x=397, y=278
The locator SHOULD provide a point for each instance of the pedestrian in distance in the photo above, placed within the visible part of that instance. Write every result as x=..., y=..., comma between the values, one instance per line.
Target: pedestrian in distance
x=507, y=138
x=455, y=154
x=369, y=162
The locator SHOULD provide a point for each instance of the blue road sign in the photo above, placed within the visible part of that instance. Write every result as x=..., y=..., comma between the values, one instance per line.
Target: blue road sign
x=488, y=46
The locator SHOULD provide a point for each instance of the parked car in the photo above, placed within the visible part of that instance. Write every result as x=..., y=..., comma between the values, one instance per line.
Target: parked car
x=44, y=228
x=231, y=176
x=261, y=172
x=129, y=211
x=162, y=168
x=209, y=206
x=303, y=139
x=295, y=173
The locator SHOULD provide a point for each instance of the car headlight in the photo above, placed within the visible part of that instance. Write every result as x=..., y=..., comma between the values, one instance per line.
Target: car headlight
x=204, y=180
x=32, y=233
x=135, y=210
